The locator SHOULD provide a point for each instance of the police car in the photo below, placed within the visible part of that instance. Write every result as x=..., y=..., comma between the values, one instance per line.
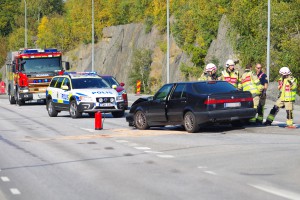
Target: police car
x=82, y=92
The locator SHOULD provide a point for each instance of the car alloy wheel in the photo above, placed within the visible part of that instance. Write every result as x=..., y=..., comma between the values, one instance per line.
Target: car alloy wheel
x=190, y=123
x=74, y=110
x=51, y=111
x=140, y=120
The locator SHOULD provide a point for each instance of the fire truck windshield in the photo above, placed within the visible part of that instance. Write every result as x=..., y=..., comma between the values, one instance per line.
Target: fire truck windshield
x=41, y=65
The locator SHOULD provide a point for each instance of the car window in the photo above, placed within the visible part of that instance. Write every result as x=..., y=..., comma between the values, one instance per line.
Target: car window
x=213, y=87
x=163, y=92
x=179, y=92
x=84, y=83
x=66, y=82
x=59, y=82
x=111, y=80
x=52, y=84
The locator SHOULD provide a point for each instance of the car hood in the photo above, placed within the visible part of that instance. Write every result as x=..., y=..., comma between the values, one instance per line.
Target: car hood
x=104, y=92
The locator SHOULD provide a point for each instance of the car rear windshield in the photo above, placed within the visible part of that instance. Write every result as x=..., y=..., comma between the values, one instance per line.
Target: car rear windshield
x=84, y=83
x=213, y=87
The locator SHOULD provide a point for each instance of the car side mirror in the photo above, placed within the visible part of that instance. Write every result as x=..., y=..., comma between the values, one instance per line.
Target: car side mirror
x=67, y=65
x=65, y=87
x=122, y=84
x=114, y=86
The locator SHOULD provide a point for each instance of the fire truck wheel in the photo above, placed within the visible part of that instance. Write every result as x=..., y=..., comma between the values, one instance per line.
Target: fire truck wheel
x=74, y=110
x=51, y=111
x=12, y=99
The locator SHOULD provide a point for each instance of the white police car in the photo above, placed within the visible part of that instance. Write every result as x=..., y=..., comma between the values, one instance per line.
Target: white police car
x=79, y=92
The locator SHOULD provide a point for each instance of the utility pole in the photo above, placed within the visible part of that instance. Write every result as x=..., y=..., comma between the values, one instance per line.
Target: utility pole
x=93, y=36
x=25, y=43
x=168, y=43
x=268, y=40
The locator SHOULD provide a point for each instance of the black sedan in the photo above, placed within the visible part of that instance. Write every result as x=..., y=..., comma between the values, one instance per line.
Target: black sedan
x=192, y=104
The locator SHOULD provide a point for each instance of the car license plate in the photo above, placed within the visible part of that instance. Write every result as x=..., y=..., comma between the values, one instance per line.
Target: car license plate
x=232, y=105
x=106, y=104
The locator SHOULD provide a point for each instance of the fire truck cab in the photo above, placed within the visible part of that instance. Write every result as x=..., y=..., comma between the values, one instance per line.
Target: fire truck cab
x=30, y=71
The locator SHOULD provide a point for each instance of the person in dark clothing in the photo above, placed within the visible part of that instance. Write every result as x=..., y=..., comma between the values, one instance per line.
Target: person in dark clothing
x=262, y=100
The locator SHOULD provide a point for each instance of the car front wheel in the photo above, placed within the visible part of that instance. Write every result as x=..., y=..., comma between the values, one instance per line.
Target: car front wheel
x=190, y=123
x=74, y=110
x=140, y=120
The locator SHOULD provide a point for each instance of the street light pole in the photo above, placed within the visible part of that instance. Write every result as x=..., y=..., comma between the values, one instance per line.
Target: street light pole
x=25, y=43
x=93, y=36
x=168, y=44
x=268, y=40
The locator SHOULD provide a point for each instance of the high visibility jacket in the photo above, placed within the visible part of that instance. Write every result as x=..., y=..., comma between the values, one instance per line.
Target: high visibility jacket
x=288, y=88
x=232, y=77
x=251, y=83
x=207, y=77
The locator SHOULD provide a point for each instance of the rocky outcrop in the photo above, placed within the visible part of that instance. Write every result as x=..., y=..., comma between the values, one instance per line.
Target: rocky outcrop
x=221, y=48
x=114, y=53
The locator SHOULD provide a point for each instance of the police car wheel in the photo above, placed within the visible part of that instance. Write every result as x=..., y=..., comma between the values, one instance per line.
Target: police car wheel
x=74, y=110
x=51, y=111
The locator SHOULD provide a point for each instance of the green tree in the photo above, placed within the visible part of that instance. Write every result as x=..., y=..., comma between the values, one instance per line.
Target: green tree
x=140, y=69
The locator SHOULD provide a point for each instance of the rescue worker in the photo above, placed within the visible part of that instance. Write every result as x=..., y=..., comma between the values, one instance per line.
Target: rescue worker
x=251, y=83
x=210, y=73
x=262, y=99
x=231, y=75
x=287, y=87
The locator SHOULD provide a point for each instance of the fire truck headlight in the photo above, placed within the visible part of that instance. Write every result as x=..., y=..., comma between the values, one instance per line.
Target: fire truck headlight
x=24, y=91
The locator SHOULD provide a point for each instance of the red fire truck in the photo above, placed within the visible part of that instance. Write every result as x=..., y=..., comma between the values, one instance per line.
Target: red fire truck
x=30, y=71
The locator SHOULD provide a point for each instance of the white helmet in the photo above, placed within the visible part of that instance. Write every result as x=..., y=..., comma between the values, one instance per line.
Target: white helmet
x=229, y=62
x=284, y=71
x=210, y=67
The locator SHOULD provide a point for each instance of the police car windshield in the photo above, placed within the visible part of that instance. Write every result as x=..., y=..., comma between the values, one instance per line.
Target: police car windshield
x=86, y=83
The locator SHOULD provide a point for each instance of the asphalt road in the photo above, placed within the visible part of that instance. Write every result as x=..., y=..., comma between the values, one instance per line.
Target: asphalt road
x=63, y=158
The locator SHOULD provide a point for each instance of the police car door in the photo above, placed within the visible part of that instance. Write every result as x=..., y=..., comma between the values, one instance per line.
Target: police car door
x=63, y=93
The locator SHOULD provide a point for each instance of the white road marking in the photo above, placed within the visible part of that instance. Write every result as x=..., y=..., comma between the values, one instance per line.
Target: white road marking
x=155, y=152
x=133, y=144
x=5, y=179
x=165, y=156
x=88, y=129
x=277, y=191
x=142, y=148
x=121, y=141
x=202, y=167
x=15, y=191
x=210, y=172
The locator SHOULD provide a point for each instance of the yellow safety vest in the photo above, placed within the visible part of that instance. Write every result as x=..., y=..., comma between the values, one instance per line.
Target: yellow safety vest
x=288, y=88
x=232, y=77
x=251, y=83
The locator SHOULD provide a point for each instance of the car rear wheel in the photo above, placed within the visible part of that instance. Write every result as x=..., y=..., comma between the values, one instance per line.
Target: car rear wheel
x=190, y=123
x=74, y=110
x=140, y=120
x=50, y=107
